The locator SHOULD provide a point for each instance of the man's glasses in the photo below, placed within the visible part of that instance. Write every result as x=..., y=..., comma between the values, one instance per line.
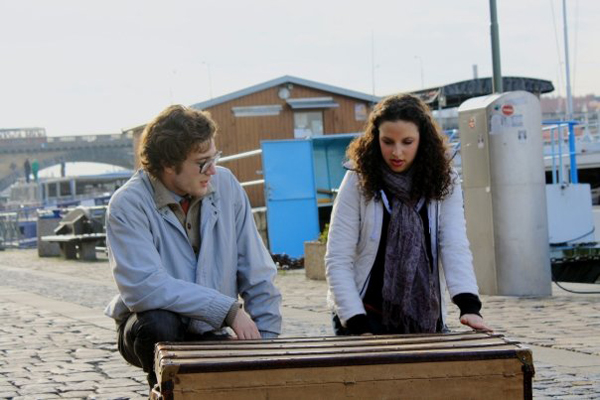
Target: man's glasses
x=206, y=165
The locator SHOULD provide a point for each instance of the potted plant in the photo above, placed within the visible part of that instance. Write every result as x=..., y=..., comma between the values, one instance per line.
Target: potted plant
x=314, y=256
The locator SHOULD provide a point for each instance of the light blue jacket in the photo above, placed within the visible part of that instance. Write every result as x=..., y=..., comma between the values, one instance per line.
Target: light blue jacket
x=155, y=266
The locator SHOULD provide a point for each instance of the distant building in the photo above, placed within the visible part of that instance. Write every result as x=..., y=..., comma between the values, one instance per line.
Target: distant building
x=23, y=136
x=553, y=107
x=284, y=108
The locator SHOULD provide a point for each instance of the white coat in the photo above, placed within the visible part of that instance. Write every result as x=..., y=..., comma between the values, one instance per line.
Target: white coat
x=354, y=235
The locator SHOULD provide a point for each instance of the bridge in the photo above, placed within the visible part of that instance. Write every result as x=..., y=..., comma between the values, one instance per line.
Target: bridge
x=17, y=145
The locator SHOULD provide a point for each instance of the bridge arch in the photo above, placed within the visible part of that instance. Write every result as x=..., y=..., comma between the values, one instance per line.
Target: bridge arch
x=108, y=149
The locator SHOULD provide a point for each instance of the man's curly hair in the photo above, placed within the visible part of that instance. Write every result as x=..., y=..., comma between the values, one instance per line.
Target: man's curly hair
x=170, y=137
x=432, y=177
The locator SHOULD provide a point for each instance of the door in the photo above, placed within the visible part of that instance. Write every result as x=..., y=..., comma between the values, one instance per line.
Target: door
x=292, y=215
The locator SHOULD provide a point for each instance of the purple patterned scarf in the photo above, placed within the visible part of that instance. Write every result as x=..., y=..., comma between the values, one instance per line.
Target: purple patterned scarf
x=411, y=296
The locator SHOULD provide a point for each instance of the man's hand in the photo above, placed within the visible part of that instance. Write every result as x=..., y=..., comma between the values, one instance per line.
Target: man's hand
x=244, y=327
x=475, y=322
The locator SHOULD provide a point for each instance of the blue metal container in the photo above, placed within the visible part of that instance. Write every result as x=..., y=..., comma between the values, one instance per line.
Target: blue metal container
x=301, y=176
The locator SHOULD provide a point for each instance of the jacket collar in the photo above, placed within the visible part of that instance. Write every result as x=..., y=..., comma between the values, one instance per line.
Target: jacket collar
x=164, y=197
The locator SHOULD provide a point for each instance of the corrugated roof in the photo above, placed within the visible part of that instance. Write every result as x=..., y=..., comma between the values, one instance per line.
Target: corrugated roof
x=281, y=81
x=458, y=92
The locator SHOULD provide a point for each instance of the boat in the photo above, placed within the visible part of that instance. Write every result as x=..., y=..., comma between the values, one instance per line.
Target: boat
x=24, y=202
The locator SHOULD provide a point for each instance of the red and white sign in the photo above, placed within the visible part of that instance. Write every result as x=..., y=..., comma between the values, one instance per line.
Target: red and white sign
x=508, y=109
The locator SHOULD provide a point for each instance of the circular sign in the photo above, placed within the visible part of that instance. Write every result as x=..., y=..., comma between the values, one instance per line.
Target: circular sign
x=284, y=93
x=508, y=109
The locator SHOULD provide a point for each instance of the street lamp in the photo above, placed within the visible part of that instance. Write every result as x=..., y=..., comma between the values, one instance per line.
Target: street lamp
x=209, y=78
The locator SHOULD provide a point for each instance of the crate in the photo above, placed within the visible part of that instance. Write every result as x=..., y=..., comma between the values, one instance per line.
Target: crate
x=465, y=365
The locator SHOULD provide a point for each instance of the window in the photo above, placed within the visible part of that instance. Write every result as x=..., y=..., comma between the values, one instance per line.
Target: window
x=360, y=112
x=257, y=111
x=308, y=123
x=52, y=189
x=65, y=188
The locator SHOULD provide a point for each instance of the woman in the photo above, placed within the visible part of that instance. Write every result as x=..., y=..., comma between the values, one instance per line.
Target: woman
x=398, y=212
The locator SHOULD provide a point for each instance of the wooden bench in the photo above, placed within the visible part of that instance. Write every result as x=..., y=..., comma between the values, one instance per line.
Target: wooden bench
x=434, y=366
x=72, y=245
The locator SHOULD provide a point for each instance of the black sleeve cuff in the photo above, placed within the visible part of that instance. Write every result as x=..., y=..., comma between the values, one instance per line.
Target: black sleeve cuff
x=468, y=303
x=358, y=324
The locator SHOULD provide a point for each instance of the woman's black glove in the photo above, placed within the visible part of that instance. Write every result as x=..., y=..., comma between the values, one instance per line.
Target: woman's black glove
x=358, y=324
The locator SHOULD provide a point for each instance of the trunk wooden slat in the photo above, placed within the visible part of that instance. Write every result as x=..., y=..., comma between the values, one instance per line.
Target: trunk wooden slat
x=459, y=365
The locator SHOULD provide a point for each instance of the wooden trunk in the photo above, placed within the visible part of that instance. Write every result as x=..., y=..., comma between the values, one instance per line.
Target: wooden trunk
x=439, y=366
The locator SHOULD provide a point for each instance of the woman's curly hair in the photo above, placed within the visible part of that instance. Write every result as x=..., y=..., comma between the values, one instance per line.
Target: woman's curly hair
x=432, y=177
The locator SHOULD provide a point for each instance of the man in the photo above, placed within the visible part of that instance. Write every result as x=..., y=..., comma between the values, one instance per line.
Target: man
x=27, y=169
x=63, y=167
x=35, y=167
x=182, y=244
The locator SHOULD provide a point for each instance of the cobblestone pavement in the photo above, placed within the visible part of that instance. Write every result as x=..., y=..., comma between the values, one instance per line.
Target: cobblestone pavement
x=55, y=343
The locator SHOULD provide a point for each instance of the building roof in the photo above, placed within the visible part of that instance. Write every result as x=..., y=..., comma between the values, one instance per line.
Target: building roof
x=282, y=81
x=458, y=92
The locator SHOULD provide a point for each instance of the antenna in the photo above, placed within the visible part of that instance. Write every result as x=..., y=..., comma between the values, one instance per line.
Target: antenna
x=373, y=60
x=210, y=94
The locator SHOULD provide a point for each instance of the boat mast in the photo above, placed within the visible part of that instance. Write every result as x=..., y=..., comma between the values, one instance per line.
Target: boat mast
x=569, y=114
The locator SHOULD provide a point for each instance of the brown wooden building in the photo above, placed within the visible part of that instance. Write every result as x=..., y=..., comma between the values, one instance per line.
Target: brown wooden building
x=283, y=108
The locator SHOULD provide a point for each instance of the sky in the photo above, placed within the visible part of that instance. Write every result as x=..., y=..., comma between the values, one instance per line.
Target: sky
x=78, y=67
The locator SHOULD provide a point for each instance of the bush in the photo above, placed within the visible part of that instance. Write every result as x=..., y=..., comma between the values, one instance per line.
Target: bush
x=285, y=262
x=324, y=234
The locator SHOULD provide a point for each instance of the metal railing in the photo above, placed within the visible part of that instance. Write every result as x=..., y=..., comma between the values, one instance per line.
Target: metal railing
x=557, y=140
x=584, y=131
x=241, y=156
x=453, y=141
x=10, y=234
x=557, y=135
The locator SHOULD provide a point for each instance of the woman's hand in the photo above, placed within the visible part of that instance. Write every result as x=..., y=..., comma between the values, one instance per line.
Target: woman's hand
x=475, y=322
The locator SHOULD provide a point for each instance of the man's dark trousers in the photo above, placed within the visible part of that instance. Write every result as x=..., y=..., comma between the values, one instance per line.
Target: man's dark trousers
x=137, y=336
